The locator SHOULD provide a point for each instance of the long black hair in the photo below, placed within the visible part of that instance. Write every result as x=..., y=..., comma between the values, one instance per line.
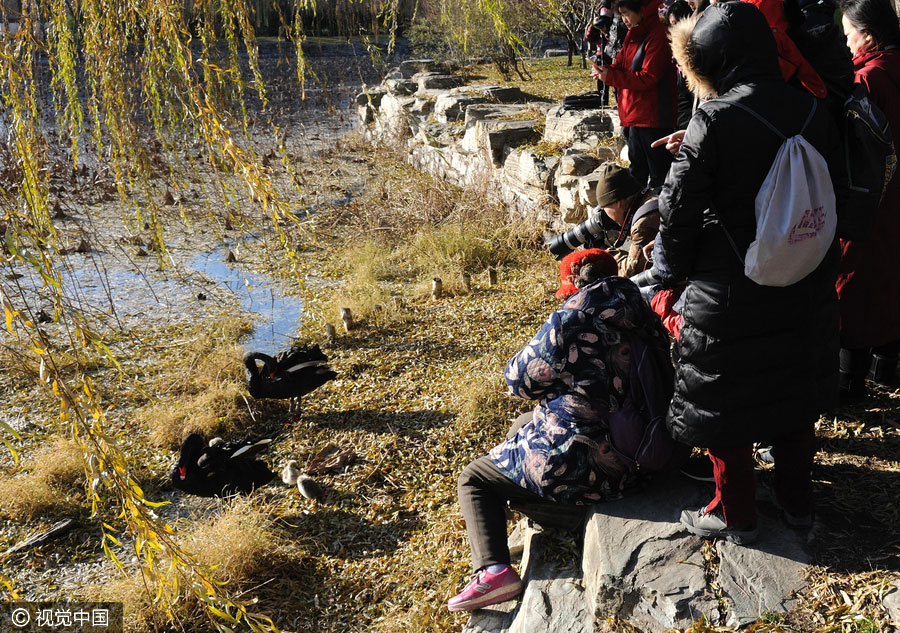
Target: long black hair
x=680, y=9
x=635, y=6
x=875, y=17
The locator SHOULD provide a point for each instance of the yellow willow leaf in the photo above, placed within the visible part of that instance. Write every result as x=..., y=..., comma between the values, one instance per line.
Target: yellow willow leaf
x=156, y=504
x=112, y=538
x=221, y=614
x=9, y=319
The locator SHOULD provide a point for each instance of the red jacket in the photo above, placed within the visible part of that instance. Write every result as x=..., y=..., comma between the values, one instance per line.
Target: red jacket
x=646, y=94
x=868, y=285
x=790, y=59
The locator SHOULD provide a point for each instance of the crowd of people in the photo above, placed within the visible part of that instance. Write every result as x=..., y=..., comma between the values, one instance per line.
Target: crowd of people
x=706, y=91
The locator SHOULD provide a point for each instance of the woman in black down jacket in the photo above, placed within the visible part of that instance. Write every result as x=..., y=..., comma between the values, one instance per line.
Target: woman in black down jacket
x=755, y=363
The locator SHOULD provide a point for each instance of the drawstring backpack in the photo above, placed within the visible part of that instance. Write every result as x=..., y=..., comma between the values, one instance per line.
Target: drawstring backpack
x=796, y=215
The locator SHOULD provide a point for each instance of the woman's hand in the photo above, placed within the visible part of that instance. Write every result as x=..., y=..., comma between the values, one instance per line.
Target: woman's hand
x=673, y=141
x=599, y=72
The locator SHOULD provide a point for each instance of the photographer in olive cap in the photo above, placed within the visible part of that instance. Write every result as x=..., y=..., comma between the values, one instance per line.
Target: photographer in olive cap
x=634, y=210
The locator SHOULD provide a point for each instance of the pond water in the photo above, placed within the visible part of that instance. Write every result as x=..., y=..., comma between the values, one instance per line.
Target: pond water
x=275, y=316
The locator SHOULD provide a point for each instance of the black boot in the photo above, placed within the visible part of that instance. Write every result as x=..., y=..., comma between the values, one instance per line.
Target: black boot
x=852, y=376
x=884, y=370
x=884, y=364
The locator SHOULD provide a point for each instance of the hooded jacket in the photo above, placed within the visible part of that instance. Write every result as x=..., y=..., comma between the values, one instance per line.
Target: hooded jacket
x=646, y=87
x=577, y=368
x=754, y=362
x=869, y=281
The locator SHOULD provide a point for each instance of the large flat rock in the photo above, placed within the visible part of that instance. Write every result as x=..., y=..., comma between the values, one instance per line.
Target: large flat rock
x=566, y=126
x=553, y=600
x=763, y=577
x=639, y=564
x=490, y=111
x=492, y=137
x=452, y=107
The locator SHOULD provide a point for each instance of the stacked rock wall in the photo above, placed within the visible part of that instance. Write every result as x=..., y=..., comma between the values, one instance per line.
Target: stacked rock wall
x=535, y=156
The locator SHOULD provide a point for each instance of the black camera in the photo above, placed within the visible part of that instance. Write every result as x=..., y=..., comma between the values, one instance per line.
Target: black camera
x=594, y=230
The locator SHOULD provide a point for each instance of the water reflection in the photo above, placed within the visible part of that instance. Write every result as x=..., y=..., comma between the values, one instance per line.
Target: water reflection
x=275, y=317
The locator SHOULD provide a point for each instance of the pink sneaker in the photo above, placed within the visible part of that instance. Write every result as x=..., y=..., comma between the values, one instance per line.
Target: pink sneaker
x=487, y=588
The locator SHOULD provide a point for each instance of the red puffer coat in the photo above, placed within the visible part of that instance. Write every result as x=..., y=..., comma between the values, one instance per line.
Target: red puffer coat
x=869, y=282
x=646, y=95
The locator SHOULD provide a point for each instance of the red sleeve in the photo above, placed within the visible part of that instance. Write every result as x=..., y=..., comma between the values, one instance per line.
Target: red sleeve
x=657, y=62
x=661, y=304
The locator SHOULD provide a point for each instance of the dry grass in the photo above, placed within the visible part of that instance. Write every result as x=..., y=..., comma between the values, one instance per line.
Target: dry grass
x=198, y=387
x=49, y=485
x=551, y=78
x=27, y=497
x=240, y=543
x=129, y=589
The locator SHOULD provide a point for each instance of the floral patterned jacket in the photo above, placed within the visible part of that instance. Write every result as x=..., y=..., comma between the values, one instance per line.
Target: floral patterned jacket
x=576, y=367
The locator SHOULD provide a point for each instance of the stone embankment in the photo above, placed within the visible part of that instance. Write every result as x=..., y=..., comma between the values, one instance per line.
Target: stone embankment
x=536, y=156
x=637, y=564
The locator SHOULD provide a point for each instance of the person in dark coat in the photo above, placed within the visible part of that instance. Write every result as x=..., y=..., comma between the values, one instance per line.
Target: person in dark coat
x=644, y=76
x=869, y=281
x=678, y=11
x=754, y=363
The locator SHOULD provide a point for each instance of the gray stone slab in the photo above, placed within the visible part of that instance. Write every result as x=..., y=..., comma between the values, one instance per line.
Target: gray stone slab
x=763, y=577
x=401, y=86
x=524, y=168
x=452, y=107
x=891, y=602
x=493, y=137
x=371, y=96
x=487, y=111
x=553, y=599
x=566, y=126
x=556, y=52
x=641, y=566
x=410, y=67
x=497, y=94
x=578, y=164
x=435, y=81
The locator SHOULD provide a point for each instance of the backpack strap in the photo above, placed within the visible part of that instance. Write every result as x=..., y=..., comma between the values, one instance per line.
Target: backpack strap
x=765, y=121
x=638, y=60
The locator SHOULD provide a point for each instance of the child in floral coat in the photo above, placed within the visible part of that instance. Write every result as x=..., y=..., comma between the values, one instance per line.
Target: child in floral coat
x=558, y=457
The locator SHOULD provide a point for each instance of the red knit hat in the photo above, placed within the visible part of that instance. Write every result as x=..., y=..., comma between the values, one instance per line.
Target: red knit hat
x=598, y=256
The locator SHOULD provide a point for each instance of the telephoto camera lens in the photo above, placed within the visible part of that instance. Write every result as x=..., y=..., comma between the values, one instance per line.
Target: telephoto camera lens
x=564, y=243
x=645, y=278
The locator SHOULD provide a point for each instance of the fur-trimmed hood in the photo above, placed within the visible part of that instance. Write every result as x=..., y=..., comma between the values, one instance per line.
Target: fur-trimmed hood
x=730, y=43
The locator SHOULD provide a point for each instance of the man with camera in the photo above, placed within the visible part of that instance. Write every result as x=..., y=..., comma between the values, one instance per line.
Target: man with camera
x=625, y=220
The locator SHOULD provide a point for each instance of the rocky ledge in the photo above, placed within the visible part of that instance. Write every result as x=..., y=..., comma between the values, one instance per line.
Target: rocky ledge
x=536, y=156
x=639, y=566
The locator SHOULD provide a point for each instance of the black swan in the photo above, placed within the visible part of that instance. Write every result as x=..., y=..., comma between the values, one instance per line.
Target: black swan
x=290, y=374
x=220, y=469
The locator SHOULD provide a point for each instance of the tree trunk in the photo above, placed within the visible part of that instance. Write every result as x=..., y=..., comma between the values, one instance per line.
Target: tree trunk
x=571, y=47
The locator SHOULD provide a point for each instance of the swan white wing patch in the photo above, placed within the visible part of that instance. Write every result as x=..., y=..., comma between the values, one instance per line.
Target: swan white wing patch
x=244, y=449
x=309, y=363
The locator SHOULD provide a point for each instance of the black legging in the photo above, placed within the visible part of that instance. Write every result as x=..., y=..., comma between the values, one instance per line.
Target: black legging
x=483, y=493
